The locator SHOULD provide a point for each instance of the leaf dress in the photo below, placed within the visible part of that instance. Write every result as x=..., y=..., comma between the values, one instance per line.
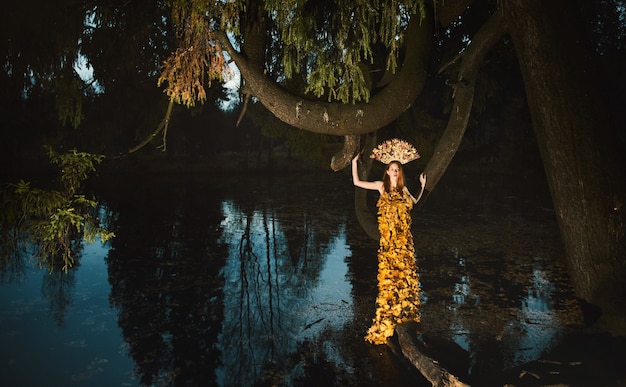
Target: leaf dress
x=398, y=298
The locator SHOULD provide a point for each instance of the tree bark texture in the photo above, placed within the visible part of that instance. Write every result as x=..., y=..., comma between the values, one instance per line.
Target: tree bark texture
x=579, y=153
x=428, y=366
x=351, y=145
x=337, y=118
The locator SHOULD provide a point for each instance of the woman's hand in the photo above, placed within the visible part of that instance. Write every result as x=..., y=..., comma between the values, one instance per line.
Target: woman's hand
x=423, y=179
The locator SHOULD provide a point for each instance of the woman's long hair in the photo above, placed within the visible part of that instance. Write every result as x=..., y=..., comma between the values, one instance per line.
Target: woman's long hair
x=387, y=179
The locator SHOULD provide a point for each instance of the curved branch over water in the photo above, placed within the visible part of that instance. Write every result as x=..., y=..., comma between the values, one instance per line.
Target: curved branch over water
x=490, y=33
x=336, y=118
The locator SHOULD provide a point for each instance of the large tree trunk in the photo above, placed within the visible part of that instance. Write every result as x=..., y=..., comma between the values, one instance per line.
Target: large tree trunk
x=577, y=145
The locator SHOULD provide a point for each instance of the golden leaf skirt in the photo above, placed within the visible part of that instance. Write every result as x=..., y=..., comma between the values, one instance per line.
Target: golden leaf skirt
x=398, y=298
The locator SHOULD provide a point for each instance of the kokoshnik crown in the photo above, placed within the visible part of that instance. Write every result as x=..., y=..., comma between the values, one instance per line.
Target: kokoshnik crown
x=395, y=150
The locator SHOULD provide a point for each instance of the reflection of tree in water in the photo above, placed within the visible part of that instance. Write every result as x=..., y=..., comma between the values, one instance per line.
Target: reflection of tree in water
x=500, y=294
x=219, y=286
x=48, y=227
x=58, y=286
x=273, y=268
x=13, y=263
x=163, y=268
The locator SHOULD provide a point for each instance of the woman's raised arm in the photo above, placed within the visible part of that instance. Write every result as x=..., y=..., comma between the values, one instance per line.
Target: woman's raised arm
x=373, y=185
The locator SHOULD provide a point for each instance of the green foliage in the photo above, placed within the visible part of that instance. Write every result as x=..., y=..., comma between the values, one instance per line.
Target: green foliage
x=326, y=42
x=52, y=220
x=75, y=167
x=331, y=39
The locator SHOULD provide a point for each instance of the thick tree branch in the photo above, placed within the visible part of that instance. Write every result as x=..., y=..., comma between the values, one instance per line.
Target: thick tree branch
x=337, y=118
x=350, y=148
x=432, y=369
x=490, y=33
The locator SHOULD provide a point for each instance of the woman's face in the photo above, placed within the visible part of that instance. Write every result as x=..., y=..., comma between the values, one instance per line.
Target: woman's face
x=393, y=170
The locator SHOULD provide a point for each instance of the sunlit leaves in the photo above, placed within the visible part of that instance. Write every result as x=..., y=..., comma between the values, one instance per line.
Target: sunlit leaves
x=198, y=60
x=52, y=221
x=326, y=42
x=75, y=167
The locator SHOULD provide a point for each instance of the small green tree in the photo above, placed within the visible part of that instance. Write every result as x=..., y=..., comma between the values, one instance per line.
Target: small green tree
x=54, y=222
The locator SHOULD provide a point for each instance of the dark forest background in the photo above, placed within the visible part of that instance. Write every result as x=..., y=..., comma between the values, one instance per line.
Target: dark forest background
x=119, y=104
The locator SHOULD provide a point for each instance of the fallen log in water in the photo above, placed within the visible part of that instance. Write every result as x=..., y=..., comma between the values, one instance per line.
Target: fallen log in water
x=418, y=354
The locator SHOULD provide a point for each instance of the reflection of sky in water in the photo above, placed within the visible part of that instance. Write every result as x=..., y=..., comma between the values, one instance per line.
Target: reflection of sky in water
x=87, y=349
x=540, y=324
x=462, y=290
x=274, y=300
x=287, y=301
x=527, y=336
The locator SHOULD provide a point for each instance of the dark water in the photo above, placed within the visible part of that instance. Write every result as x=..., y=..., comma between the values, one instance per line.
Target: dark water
x=268, y=280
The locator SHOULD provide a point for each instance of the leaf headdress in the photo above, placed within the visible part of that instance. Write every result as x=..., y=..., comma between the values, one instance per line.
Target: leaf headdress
x=395, y=150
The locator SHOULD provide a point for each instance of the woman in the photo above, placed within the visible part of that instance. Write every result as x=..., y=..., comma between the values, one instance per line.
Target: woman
x=398, y=298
